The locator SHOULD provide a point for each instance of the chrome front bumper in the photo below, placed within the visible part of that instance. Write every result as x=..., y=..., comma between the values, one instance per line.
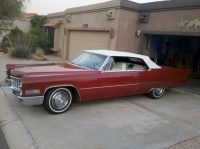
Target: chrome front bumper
x=8, y=81
x=30, y=101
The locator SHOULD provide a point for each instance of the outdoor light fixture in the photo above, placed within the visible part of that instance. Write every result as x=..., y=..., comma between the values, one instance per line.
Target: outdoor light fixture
x=138, y=32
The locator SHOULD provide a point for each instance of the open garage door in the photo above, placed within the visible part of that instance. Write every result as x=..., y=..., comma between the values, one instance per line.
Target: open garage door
x=184, y=51
x=87, y=40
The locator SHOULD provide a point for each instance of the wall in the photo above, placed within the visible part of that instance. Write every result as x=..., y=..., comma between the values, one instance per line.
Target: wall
x=24, y=25
x=168, y=20
x=96, y=20
x=126, y=33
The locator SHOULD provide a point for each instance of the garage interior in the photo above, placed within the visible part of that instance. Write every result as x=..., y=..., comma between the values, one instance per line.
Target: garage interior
x=184, y=51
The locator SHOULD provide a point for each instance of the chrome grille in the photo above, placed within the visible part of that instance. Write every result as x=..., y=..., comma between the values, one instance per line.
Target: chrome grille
x=15, y=83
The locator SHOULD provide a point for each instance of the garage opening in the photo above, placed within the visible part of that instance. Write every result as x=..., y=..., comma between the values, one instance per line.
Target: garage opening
x=87, y=40
x=184, y=51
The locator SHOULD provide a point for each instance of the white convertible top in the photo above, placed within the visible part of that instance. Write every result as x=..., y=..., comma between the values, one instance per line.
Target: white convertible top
x=110, y=53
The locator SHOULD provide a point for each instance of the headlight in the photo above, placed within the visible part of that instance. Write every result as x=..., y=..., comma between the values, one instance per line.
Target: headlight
x=20, y=93
x=20, y=86
x=35, y=91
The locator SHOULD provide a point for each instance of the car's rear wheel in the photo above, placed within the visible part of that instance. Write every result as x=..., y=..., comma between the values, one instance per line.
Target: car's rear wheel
x=57, y=100
x=156, y=93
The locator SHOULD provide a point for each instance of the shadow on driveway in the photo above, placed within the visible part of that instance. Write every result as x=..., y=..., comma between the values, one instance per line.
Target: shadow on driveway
x=193, y=86
x=3, y=143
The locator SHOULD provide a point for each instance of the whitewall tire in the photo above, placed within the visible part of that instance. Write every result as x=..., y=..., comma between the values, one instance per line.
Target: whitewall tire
x=57, y=100
x=156, y=93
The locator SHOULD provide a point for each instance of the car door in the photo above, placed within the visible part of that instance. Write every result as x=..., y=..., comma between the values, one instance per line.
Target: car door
x=117, y=83
x=150, y=79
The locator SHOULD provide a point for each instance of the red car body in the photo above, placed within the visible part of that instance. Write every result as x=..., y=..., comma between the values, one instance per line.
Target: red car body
x=88, y=84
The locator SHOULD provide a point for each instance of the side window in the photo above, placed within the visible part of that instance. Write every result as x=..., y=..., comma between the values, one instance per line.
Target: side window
x=138, y=64
x=126, y=63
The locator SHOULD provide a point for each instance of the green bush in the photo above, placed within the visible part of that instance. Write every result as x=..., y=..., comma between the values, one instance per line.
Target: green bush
x=41, y=39
x=22, y=46
x=39, y=52
x=38, y=21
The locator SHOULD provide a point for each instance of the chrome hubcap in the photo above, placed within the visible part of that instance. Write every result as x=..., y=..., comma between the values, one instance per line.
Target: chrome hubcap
x=158, y=91
x=60, y=99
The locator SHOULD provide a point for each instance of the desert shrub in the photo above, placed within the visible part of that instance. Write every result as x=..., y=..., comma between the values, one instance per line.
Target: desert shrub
x=22, y=46
x=15, y=31
x=39, y=52
x=4, y=50
x=6, y=39
x=20, y=52
x=5, y=42
x=42, y=39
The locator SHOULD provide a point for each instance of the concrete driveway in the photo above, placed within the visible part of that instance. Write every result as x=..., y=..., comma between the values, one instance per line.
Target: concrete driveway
x=135, y=122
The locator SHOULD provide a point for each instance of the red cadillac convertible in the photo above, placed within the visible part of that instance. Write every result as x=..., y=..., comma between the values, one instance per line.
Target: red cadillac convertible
x=93, y=75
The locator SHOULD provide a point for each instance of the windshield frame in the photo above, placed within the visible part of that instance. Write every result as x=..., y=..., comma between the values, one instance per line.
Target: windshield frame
x=103, y=64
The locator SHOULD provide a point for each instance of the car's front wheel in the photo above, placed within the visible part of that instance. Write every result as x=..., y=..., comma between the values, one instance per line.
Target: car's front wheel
x=156, y=93
x=57, y=100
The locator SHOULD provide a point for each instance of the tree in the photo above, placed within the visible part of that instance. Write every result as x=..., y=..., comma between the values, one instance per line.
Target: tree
x=10, y=9
x=38, y=21
x=41, y=39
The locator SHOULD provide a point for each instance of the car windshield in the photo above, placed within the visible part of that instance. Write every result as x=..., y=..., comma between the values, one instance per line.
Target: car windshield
x=89, y=60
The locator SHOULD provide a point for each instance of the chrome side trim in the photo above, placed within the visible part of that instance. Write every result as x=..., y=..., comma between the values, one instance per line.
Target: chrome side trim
x=121, y=70
x=89, y=88
x=118, y=85
x=107, y=86
x=30, y=101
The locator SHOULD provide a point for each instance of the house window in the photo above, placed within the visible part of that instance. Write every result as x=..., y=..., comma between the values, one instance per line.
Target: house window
x=51, y=35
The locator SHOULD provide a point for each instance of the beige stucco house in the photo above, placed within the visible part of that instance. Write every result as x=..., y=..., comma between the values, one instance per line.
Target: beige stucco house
x=128, y=26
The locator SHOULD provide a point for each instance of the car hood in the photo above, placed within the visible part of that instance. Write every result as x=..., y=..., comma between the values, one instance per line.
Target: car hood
x=47, y=70
x=10, y=67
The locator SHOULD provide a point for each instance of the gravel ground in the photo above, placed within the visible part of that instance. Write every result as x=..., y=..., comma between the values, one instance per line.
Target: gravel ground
x=192, y=143
x=5, y=57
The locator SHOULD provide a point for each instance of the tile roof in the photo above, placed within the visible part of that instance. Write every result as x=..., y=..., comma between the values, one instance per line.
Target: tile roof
x=52, y=24
x=28, y=15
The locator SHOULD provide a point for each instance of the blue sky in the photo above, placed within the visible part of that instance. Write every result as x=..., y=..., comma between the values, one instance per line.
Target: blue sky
x=44, y=7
